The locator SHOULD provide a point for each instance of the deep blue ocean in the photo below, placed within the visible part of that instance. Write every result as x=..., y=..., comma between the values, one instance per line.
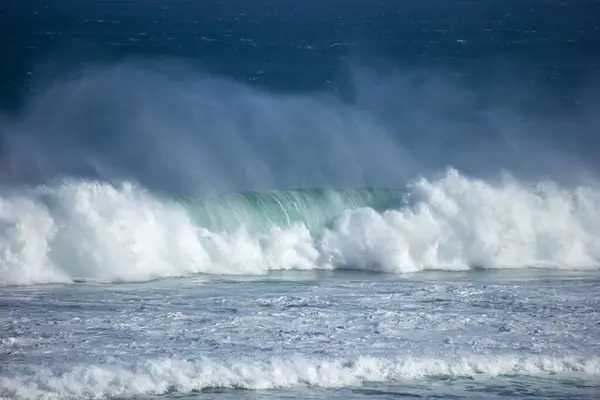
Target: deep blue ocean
x=299, y=199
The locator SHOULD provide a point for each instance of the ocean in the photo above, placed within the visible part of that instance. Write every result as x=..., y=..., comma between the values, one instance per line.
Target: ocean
x=278, y=199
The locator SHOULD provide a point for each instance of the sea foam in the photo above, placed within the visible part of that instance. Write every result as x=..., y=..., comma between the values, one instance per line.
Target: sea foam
x=176, y=375
x=87, y=230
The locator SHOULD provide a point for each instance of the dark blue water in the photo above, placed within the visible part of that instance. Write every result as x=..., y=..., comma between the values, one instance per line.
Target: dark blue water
x=300, y=45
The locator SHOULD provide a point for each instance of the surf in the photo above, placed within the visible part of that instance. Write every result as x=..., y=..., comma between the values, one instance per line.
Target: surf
x=80, y=230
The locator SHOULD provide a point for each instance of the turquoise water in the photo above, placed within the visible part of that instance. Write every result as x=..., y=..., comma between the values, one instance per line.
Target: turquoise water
x=261, y=211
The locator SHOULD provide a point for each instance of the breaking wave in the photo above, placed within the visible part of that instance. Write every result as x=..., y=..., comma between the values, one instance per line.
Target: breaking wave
x=262, y=211
x=176, y=375
x=93, y=231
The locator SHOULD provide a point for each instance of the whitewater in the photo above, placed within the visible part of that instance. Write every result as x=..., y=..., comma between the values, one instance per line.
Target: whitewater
x=94, y=231
x=451, y=286
x=300, y=200
x=308, y=334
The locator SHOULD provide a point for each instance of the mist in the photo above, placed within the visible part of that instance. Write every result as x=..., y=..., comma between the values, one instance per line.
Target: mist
x=177, y=129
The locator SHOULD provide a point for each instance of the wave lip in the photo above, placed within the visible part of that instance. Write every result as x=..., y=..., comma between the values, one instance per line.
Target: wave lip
x=93, y=231
x=262, y=211
x=176, y=375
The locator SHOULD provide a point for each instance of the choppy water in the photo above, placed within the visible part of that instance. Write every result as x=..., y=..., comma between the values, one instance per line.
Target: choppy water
x=299, y=199
x=339, y=335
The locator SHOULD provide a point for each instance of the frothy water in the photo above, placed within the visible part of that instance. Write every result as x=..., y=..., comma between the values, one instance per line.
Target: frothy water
x=181, y=376
x=451, y=334
x=81, y=230
x=244, y=200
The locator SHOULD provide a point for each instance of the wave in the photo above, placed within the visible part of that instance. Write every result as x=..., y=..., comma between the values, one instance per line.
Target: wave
x=175, y=375
x=88, y=230
x=261, y=211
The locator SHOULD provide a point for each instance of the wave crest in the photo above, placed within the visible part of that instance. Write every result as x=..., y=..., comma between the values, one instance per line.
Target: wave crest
x=174, y=375
x=95, y=231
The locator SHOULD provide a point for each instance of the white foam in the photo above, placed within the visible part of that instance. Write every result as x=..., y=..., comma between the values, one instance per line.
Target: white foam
x=94, y=231
x=175, y=375
x=456, y=223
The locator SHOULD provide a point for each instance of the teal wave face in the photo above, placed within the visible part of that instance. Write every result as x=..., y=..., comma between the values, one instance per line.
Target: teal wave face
x=264, y=210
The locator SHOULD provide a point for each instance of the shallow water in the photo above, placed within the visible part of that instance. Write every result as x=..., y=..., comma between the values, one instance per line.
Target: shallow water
x=307, y=335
